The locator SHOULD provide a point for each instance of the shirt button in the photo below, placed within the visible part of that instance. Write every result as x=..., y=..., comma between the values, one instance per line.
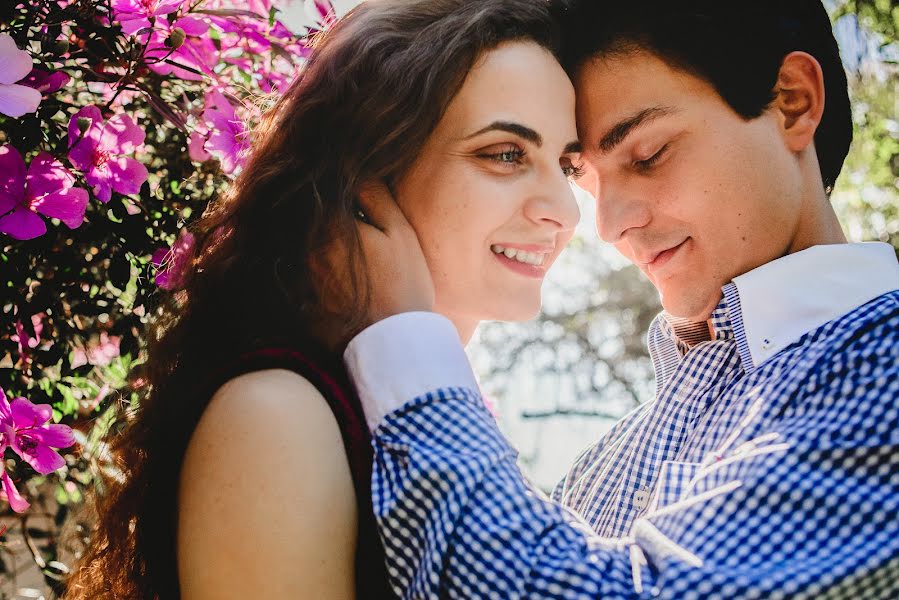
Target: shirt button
x=641, y=499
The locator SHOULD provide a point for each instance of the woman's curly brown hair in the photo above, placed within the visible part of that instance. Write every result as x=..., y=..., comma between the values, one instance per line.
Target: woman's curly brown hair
x=373, y=89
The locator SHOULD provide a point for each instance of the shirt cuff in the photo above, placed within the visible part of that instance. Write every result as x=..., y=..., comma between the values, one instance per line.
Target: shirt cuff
x=404, y=357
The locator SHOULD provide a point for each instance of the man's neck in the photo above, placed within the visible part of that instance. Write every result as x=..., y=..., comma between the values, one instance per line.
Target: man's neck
x=818, y=226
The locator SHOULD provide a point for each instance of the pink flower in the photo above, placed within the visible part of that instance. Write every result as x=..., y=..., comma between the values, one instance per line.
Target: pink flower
x=47, y=188
x=98, y=353
x=171, y=263
x=196, y=144
x=24, y=427
x=100, y=152
x=15, y=100
x=24, y=340
x=260, y=7
x=44, y=81
x=322, y=12
x=228, y=135
x=134, y=15
x=12, y=495
x=195, y=51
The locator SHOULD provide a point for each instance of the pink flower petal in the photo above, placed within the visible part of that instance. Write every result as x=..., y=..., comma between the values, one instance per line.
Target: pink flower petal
x=164, y=7
x=66, y=205
x=46, y=175
x=164, y=280
x=131, y=25
x=55, y=435
x=42, y=459
x=18, y=100
x=192, y=25
x=321, y=11
x=195, y=147
x=120, y=135
x=79, y=358
x=12, y=172
x=5, y=411
x=46, y=82
x=82, y=154
x=216, y=100
x=126, y=175
x=171, y=263
x=93, y=133
x=26, y=414
x=16, y=501
x=99, y=179
x=8, y=202
x=22, y=224
x=14, y=63
x=134, y=15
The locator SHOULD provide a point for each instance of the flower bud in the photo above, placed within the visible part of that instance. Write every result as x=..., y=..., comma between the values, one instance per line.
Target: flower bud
x=176, y=38
x=60, y=47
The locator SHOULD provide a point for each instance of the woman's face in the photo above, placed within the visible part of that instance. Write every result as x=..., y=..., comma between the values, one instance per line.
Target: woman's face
x=489, y=195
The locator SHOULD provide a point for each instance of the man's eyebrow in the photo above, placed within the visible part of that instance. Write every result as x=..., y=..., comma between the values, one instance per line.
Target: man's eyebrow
x=522, y=131
x=623, y=128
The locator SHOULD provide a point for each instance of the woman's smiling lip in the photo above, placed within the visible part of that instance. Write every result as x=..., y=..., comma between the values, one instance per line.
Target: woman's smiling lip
x=527, y=269
x=539, y=248
x=532, y=271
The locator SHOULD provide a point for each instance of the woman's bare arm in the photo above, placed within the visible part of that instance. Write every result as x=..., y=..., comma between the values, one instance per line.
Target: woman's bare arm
x=266, y=506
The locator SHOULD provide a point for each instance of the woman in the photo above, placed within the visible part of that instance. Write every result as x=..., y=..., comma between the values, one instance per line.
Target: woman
x=246, y=468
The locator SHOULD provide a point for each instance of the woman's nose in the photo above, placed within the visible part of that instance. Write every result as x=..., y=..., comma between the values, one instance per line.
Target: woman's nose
x=554, y=203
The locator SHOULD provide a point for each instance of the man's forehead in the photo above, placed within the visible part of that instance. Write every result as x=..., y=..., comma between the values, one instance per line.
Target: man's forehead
x=633, y=88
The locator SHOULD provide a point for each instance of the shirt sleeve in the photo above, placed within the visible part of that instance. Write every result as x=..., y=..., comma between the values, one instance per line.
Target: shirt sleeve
x=784, y=514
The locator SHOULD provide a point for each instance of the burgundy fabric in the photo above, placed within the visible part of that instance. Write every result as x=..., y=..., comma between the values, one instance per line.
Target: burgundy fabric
x=329, y=377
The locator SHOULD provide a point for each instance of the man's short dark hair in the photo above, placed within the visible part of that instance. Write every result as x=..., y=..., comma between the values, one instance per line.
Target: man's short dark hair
x=736, y=45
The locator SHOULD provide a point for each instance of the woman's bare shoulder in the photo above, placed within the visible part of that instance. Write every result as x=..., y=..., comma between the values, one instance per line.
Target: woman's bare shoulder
x=266, y=500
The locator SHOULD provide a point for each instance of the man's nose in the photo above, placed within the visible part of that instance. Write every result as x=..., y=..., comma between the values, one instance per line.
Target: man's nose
x=619, y=209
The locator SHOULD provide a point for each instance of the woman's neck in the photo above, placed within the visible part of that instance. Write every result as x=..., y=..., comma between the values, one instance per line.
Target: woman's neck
x=466, y=327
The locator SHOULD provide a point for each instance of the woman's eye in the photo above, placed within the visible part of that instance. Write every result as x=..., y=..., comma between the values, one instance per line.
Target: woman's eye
x=509, y=156
x=647, y=164
x=506, y=156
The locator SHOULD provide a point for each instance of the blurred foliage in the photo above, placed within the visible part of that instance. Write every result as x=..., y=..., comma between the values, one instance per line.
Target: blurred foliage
x=867, y=194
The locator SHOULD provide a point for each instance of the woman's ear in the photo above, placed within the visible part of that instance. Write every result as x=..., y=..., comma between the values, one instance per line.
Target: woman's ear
x=799, y=99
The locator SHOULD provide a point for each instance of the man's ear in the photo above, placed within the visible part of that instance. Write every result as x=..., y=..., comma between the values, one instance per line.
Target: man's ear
x=799, y=99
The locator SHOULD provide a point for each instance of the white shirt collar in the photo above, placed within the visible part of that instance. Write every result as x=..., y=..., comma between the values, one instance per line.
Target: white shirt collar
x=783, y=300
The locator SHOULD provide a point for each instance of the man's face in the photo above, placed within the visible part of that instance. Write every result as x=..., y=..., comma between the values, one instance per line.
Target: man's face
x=686, y=189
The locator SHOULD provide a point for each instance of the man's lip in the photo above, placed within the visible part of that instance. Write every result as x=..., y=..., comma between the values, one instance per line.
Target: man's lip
x=651, y=258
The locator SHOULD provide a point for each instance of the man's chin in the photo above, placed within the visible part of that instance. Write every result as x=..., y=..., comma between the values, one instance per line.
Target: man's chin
x=692, y=307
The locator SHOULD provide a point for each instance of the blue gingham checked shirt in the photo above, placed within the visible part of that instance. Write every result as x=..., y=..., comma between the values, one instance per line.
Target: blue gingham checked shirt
x=766, y=467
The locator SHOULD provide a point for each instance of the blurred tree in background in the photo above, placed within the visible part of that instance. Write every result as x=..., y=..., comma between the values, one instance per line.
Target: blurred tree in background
x=866, y=194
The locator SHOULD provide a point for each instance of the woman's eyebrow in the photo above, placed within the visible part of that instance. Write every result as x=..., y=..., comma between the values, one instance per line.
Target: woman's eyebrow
x=522, y=131
x=525, y=133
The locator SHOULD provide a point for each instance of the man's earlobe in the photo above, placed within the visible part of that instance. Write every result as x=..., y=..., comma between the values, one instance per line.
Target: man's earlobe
x=800, y=98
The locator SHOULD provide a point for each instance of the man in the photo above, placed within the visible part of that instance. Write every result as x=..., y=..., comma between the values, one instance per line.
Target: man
x=768, y=464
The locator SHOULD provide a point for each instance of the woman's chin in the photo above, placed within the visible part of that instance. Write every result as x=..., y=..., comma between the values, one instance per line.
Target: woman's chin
x=518, y=312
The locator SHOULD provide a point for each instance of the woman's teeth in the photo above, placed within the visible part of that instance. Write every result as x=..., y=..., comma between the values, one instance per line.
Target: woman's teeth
x=529, y=258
